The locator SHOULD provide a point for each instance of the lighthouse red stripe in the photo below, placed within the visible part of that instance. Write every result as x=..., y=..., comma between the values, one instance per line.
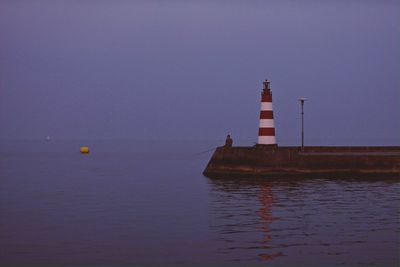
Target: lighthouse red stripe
x=266, y=98
x=266, y=114
x=266, y=132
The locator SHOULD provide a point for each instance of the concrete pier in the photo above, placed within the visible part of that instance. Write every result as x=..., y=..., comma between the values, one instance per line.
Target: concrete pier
x=263, y=161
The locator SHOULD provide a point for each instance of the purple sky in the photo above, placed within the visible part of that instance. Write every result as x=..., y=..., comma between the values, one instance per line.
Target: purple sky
x=194, y=69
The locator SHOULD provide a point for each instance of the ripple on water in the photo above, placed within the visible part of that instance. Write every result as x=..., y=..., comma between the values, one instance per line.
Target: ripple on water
x=333, y=221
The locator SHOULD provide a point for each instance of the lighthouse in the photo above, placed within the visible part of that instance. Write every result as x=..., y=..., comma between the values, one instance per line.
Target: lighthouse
x=266, y=131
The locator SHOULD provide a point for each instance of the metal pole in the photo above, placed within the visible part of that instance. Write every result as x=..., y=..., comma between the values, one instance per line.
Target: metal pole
x=302, y=122
x=302, y=125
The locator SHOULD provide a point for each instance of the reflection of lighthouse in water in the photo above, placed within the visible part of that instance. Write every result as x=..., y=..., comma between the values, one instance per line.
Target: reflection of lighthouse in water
x=267, y=200
x=240, y=208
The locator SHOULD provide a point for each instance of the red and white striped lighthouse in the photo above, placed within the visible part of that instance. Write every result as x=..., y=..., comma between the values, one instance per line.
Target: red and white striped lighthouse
x=266, y=131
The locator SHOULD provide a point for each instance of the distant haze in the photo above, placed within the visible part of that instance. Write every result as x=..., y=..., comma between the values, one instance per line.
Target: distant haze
x=171, y=70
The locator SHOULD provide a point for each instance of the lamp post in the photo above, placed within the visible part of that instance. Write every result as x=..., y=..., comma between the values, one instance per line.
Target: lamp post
x=302, y=100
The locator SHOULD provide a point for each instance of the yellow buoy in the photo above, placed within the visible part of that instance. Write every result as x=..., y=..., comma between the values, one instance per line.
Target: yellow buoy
x=84, y=149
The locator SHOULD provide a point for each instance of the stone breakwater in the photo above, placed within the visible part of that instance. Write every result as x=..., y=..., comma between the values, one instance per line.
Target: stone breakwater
x=262, y=160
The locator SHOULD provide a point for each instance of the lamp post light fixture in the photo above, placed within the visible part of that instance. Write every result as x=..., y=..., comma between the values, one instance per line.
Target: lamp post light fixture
x=302, y=100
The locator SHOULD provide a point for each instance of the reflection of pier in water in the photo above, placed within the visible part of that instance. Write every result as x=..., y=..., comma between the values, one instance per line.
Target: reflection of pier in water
x=243, y=211
x=308, y=221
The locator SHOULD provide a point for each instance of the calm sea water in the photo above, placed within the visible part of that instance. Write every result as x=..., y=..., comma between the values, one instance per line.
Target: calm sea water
x=142, y=202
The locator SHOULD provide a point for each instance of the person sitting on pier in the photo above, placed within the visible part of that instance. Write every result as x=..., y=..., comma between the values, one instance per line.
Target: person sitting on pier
x=228, y=141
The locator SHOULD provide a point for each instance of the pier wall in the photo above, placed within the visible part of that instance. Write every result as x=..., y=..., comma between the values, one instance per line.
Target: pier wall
x=273, y=160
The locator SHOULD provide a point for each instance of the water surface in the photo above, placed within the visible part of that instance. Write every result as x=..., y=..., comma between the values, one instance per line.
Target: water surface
x=144, y=202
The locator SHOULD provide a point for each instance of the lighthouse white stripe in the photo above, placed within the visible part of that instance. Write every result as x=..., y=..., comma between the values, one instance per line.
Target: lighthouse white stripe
x=266, y=105
x=267, y=123
x=266, y=140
